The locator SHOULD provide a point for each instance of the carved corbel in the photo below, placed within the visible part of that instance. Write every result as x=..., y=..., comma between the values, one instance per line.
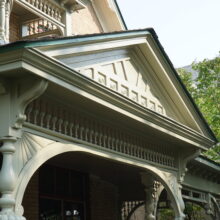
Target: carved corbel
x=183, y=160
x=14, y=97
x=25, y=92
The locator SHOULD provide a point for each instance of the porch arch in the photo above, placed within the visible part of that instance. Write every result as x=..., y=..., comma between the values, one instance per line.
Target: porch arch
x=57, y=148
x=216, y=205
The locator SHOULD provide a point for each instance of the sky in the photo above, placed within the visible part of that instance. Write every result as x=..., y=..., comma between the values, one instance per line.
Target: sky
x=189, y=30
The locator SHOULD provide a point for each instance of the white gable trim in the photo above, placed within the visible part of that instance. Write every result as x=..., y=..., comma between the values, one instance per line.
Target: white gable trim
x=153, y=61
x=31, y=60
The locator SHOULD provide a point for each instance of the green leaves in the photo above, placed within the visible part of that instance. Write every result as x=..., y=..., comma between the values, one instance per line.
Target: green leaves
x=205, y=90
x=207, y=94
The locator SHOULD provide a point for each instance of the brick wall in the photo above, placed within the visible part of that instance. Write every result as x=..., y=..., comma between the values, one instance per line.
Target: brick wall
x=30, y=200
x=85, y=21
x=14, y=32
x=103, y=200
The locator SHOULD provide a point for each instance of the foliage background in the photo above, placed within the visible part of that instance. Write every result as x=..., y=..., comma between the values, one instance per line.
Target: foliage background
x=205, y=90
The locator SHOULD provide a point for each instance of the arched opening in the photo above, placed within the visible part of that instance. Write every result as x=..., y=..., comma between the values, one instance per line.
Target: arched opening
x=105, y=167
x=165, y=210
x=81, y=186
x=101, y=186
x=56, y=192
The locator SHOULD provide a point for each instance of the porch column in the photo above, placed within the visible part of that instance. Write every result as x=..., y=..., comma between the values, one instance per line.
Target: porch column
x=8, y=180
x=150, y=201
x=5, y=8
x=7, y=19
x=2, y=21
x=14, y=97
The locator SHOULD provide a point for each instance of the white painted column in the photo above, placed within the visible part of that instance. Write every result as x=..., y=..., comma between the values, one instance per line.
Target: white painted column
x=68, y=23
x=149, y=203
x=8, y=181
x=7, y=19
x=2, y=21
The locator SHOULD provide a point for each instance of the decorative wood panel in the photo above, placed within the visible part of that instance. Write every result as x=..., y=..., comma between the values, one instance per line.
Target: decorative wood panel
x=26, y=148
x=127, y=79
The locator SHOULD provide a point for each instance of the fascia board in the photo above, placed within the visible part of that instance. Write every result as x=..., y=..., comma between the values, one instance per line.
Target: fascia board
x=175, y=85
x=81, y=39
x=205, y=162
x=182, y=87
x=157, y=63
x=92, y=47
x=39, y=64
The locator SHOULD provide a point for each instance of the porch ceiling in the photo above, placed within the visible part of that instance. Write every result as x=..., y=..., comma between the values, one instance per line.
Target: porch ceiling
x=127, y=178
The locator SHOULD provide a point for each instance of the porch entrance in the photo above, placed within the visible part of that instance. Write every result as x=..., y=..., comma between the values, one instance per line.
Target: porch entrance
x=81, y=186
x=61, y=194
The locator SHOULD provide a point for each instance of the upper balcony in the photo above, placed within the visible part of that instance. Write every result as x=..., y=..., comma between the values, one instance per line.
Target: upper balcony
x=45, y=17
x=39, y=18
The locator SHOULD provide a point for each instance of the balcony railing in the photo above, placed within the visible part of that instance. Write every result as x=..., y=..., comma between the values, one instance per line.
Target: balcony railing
x=47, y=7
x=39, y=27
x=50, y=14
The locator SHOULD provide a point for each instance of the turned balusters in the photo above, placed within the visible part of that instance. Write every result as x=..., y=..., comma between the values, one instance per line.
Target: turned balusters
x=48, y=8
x=48, y=116
x=91, y=133
x=71, y=126
x=54, y=118
x=29, y=112
x=42, y=112
x=66, y=122
x=36, y=111
x=45, y=114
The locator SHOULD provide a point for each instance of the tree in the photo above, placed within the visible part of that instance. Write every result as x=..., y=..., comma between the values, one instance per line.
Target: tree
x=205, y=90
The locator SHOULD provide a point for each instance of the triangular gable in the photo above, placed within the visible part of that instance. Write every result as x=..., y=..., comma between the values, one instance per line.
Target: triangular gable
x=123, y=73
x=133, y=65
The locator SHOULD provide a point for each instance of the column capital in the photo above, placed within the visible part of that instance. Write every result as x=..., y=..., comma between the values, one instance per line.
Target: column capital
x=15, y=95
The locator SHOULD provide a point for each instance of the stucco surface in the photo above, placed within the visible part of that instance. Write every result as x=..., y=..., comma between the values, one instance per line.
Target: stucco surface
x=85, y=21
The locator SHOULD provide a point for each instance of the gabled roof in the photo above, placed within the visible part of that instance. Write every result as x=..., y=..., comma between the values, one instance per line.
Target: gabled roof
x=133, y=35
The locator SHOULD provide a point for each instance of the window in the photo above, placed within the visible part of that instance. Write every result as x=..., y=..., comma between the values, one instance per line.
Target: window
x=62, y=194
